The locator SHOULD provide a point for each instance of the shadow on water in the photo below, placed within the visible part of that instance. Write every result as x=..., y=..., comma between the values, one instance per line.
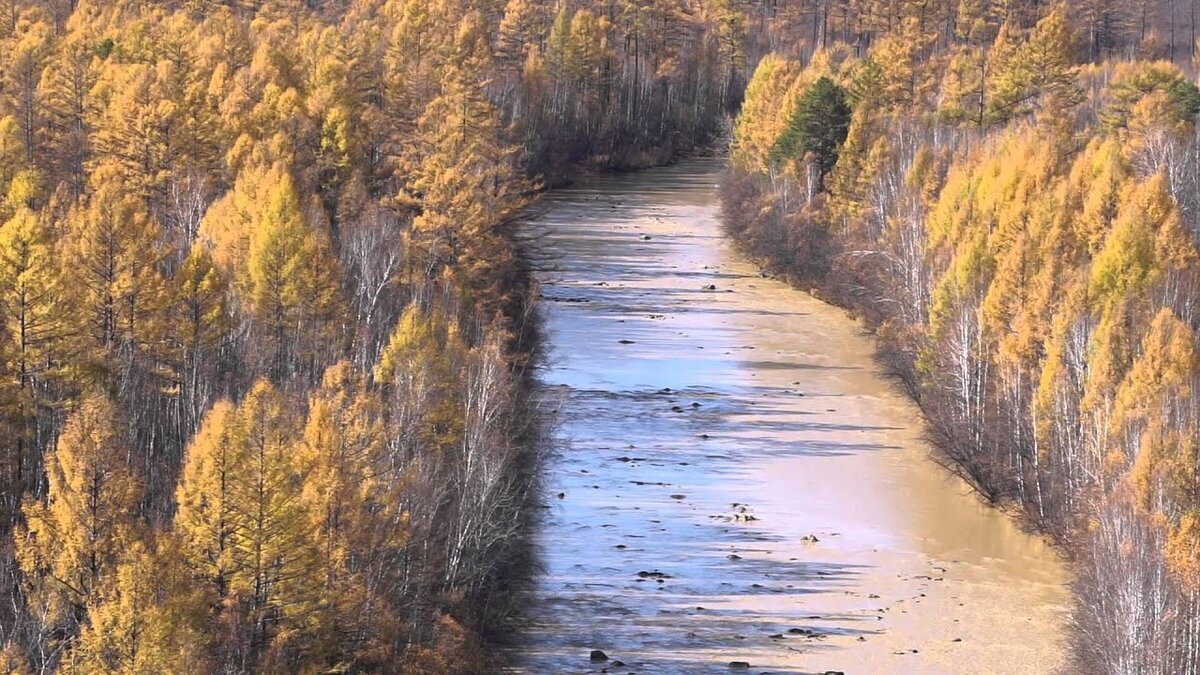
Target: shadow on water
x=685, y=391
x=642, y=553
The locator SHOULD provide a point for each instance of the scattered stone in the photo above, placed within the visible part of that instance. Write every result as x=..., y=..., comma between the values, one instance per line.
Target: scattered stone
x=957, y=640
x=678, y=496
x=873, y=597
x=809, y=539
x=711, y=287
x=704, y=437
x=646, y=237
x=562, y=495
x=776, y=636
x=734, y=556
x=695, y=405
x=620, y=546
x=653, y=575
x=676, y=408
x=739, y=665
x=617, y=664
x=626, y=342
x=598, y=655
x=834, y=672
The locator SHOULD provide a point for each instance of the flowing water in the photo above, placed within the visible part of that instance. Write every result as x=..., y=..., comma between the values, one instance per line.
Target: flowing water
x=735, y=479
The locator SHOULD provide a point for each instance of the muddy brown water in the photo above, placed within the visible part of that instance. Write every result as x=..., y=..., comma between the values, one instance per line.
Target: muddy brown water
x=735, y=481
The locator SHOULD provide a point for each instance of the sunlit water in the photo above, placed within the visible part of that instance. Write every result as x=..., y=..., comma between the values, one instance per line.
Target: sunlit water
x=735, y=480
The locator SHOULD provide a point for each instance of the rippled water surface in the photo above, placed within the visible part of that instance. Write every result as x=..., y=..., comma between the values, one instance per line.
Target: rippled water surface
x=736, y=482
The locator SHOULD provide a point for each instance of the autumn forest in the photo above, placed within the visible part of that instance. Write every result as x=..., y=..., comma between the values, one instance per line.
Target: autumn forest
x=269, y=330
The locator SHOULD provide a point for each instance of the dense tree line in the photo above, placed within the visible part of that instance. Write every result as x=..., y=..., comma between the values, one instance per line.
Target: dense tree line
x=618, y=83
x=264, y=330
x=1019, y=222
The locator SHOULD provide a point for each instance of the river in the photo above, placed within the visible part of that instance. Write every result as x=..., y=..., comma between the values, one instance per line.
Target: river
x=735, y=482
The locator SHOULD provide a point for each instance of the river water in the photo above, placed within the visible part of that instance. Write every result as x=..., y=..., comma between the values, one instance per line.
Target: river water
x=735, y=481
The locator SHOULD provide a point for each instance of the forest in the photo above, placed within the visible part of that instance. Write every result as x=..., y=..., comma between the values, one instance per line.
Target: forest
x=265, y=328
x=267, y=332
x=1006, y=192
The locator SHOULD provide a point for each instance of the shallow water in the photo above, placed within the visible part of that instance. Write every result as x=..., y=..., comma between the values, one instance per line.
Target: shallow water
x=735, y=479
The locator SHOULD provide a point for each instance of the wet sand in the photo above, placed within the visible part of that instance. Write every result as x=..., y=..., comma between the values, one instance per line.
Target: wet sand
x=737, y=482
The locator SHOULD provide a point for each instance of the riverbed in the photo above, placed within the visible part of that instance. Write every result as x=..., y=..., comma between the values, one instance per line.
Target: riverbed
x=734, y=479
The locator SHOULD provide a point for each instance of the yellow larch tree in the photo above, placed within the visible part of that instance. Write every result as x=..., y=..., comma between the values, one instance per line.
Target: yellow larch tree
x=205, y=519
x=352, y=498
x=903, y=56
x=72, y=543
x=230, y=221
x=965, y=83
x=764, y=114
x=275, y=573
x=291, y=286
x=421, y=370
x=66, y=83
x=1038, y=75
x=462, y=182
x=30, y=309
x=144, y=620
x=23, y=65
x=524, y=24
x=1147, y=413
x=112, y=252
x=243, y=529
x=1146, y=240
x=201, y=326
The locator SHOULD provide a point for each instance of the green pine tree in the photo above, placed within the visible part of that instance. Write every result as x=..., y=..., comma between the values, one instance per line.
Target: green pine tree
x=817, y=128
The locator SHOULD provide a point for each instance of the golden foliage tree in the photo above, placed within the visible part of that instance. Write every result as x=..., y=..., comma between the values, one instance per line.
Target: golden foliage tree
x=73, y=542
x=242, y=524
x=112, y=252
x=422, y=366
x=462, y=182
x=29, y=299
x=291, y=285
